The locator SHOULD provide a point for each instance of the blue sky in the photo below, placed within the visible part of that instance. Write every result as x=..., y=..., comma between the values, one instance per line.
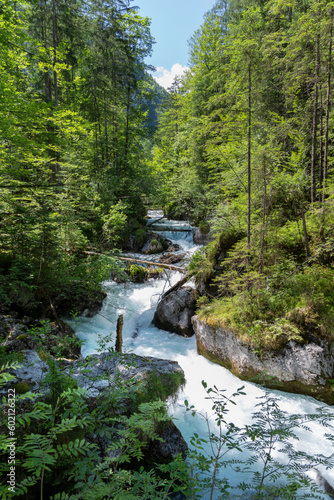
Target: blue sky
x=173, y=23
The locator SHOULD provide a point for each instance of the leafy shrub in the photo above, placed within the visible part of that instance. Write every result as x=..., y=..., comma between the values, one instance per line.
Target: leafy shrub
x=114, y=225
x=140, y=236
x=59, y=454
x=204, y=227
x=274, y=468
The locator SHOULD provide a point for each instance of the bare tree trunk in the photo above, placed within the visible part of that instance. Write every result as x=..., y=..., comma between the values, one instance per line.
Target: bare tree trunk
x=126, y=149
x=104, y=99
x=321, y=146
x=249, y=156
x=55, y=165
x=115, y=128
x=48, y=90
x=264, y=220
x=54, y=34
x=119, y=334
x=327, y=111
x=97, y=159
x=315, y=116
x=306, y=240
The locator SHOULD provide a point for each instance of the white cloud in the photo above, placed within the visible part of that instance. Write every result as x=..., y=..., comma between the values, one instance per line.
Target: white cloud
x=165, y=77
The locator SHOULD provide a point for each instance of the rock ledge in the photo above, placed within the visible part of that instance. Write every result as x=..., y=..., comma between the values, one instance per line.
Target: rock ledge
x=303, y=369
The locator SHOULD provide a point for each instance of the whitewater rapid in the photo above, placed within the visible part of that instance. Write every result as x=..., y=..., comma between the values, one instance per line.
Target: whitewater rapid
x=137, y=303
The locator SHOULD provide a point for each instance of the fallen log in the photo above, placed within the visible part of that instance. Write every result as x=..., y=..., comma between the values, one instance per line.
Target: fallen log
x=140, y=261
x=163, y=228
x=160, y=218
x=176, y=286
x=150, y=263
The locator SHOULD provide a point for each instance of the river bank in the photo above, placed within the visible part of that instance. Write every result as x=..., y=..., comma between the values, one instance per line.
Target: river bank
x=137, y=302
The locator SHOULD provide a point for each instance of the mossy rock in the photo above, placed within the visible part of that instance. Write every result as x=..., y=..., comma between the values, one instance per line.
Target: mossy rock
x=154, y=246
x=21, y=387
x=24, y=336
x=138, y=274
x=157, y=386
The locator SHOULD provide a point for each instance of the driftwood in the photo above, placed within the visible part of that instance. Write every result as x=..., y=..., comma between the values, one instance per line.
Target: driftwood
x=119, y=334
x=140, y=261
x=176, y=286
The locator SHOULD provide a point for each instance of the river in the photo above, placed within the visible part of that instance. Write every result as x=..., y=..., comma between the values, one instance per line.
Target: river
x=137, y=303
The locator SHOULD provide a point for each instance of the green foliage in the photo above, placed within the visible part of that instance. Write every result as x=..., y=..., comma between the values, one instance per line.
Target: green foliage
x=56, y=382
x=158, y=386
x=269, y=311
x=204, y=227
x=73, y=169
x=201, y=265
x=60, y=453
x=273, y=467
x=259, y=105
x=114, y=225
x=48, y=339
x=140, y=236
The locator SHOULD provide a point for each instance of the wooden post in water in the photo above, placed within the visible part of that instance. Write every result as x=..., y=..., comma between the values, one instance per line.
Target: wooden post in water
x=119, y=337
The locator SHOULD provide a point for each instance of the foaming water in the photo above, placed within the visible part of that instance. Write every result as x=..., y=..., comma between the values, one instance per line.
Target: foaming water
x=137, y=303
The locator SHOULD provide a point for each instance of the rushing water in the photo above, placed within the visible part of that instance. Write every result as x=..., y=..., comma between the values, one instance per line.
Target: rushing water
x=137, y=303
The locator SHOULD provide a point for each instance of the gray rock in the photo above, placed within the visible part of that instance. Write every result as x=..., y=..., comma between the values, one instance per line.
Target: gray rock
x=96, y=374
x=14, y=333
x=173, y=247
x=99, y=374
x=304, y=369
x=102, y=371
x=173, y=443
x=201, y=238
x=324, y=484
x=31, y=372
x=153, y=245
x=17, y=336
x=174, y=312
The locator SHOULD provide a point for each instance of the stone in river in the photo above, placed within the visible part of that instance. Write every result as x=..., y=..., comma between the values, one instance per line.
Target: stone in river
x=174, y=312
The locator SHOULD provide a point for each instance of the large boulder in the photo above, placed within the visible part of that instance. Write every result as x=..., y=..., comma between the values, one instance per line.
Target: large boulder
x=171, y=445
x=103, y=376
x=201, y=238
x=154, y=244
x=99, y=372
x=299, y=368
x=174, y=312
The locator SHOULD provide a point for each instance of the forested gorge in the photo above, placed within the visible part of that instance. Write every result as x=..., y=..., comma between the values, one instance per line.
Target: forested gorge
x=241, y=146
x=245, y=145
x=75, y=97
